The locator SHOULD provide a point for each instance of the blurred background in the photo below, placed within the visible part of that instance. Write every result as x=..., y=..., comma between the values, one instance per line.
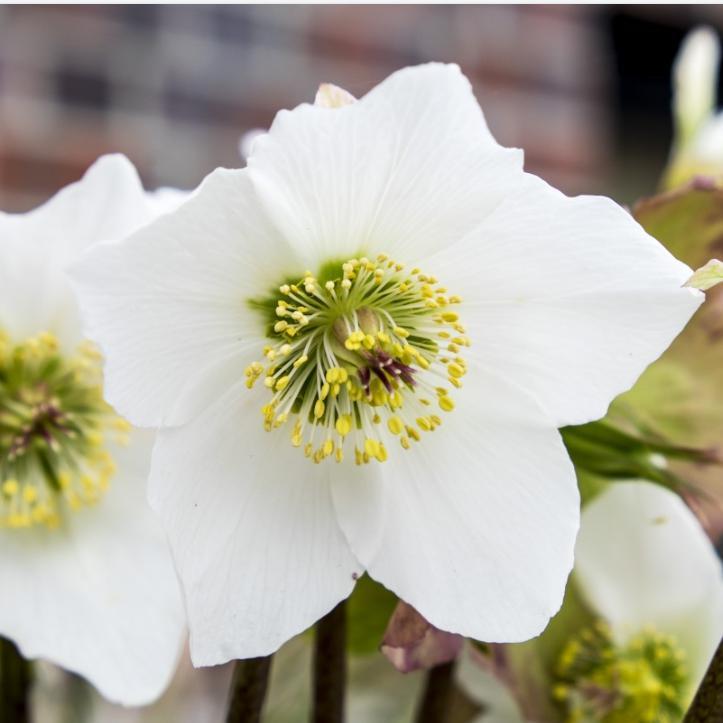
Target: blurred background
x=585, y=90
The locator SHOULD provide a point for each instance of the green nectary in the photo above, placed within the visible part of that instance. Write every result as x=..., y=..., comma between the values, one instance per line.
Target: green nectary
x=54, y=425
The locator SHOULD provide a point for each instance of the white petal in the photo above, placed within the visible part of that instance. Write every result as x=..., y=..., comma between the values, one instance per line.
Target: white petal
x=642, y=558
x=35, y=247
x=35, y=295
x=475, y=525
x=166, y=199
x=107, y=203
x=169, y=306
x=252, y=527
x=407, y=169
x=99, y=598
x=567, y=297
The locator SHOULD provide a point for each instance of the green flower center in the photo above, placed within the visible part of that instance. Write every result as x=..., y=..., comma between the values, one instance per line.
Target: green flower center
x=644, y=680
x=54, y=425
x=360, y=354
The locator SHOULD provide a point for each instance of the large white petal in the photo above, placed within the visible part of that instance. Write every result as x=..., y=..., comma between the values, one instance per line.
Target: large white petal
x=99, y=597
x=643, y=559
x=169, y=306
x=475, y=525
x=567, y=297
x=251, y=523
x=409, y=168
x=108, y=202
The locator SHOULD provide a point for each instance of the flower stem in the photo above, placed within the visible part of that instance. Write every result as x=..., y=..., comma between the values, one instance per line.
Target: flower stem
x=437, y=694
x=707, y=706
x=15, y=681
x=330, y=666
x=248, y=690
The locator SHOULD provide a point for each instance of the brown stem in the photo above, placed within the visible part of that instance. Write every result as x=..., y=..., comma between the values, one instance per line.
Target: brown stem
x=248, y=690
x=707, y=706
x=15, y=682
x=437, y=695
x=330, y=667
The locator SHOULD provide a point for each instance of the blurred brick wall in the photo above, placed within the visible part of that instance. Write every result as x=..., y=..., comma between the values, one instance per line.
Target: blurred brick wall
x=173, y=87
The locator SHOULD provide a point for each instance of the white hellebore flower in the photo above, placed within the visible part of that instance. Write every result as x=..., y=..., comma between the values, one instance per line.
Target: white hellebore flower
x=86, y=575
x=385, y=293
x=698, y=146
x=656, y=584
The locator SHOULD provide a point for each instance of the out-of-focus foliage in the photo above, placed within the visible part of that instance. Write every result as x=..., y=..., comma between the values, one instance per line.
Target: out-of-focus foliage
x=681, y=394
x=369, y=609
x=603, y=452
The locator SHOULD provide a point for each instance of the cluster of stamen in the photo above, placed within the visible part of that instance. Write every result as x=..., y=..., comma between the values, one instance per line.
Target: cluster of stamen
x=54, y=429
x=643, y=680
x=362, y=353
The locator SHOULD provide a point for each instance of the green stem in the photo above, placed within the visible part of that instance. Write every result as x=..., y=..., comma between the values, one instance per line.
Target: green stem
x=437, y=694
x=707, y=706
x=248, y=690
x=330, y=667
x=15, y=682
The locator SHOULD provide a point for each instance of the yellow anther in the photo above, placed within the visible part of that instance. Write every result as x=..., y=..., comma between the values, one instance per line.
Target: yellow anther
x=10, y=487
x=30, y=494
x=381, y=454
x=324, y=393
x=395, y=425
x=450, y=316
x=282, y=383
x=401, y=332
x=280, y=326
x=343, y=425
x=319, y=408
x=446, y=403
x=455, y=370
x=371, y=447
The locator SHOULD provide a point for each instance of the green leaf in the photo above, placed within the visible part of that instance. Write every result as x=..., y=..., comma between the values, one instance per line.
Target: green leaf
x=369, y=608
x=602, y=452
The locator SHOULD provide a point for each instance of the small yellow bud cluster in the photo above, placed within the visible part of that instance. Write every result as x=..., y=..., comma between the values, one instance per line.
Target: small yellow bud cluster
x=54, y=431
x=351, y=348
x=642, y=680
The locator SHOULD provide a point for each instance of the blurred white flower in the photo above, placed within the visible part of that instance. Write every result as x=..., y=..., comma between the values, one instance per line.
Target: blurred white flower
x=296, y=309
x=646, y=567
x=86, y=575
x=698, y=145
x=695, y=81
